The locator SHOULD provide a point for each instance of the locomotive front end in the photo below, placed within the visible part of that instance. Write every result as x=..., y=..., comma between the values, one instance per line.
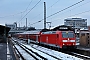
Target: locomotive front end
x=68, y=39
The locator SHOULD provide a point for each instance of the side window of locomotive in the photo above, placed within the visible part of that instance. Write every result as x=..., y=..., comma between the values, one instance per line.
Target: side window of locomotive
x=53, y=32
x=45, y=32
x=49, y=32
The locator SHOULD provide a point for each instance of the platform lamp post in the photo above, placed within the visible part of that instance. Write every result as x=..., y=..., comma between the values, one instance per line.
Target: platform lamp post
x=5, y=34
x=49, y=23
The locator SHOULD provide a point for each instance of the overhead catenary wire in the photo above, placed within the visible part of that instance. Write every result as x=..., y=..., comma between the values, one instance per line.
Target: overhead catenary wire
x=30, y=10
x=39, y=14
x=47, y=8
x=76, y=8
x=54, y=4
x=28, y=6
x=19, y=12
x=59, y=11
x=65, y=8
x=75, y=14
x=26, y=10
x=39, y=20
x=80, y=13
x=11, y=15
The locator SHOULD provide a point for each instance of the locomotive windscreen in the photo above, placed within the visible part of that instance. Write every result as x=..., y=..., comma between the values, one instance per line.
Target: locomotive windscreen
x=67, y=34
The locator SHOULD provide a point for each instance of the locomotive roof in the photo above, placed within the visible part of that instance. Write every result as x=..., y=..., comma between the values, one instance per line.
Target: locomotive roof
x=63, y=28
x=34, y=31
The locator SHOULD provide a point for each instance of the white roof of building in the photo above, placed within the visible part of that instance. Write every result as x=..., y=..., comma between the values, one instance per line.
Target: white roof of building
x=30, y=32
x=75, y=19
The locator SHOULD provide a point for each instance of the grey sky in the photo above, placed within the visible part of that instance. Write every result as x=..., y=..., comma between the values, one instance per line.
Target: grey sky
x=13, y=11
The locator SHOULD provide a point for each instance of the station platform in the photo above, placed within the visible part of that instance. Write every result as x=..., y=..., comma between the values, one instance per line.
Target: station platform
x=6, y=52
x=3, y=51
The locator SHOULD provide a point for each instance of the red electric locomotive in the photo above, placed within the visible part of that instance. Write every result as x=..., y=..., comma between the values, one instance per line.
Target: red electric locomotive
x=61, y=37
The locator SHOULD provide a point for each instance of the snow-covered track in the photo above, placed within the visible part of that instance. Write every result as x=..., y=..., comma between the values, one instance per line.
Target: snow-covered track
x=35, y=55
x=80, y=55
x=77, y=54
x=42, y=56
x=47, y=53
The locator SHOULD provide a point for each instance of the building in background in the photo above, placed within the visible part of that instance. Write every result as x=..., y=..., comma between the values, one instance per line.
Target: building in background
x=12, y=26
x=77, y=23
x=89, y=27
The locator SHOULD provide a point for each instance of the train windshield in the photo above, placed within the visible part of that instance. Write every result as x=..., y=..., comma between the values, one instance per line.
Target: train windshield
x=67, y=34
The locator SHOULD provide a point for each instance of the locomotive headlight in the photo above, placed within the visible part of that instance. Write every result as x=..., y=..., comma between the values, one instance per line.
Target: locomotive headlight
x=65, y=41
x=73, y=44
x=63, y=44
x=72, y=40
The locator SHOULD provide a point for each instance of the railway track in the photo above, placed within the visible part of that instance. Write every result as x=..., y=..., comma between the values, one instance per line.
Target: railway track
x=77, y=55
x=37, y=56
x=25, y=53
x=72, y=53
x=82, y=53
x=81, y=56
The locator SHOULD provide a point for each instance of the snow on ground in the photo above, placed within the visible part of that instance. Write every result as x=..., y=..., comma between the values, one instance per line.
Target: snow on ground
x=82, y=48
x=60, y=55
x=26, y=56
